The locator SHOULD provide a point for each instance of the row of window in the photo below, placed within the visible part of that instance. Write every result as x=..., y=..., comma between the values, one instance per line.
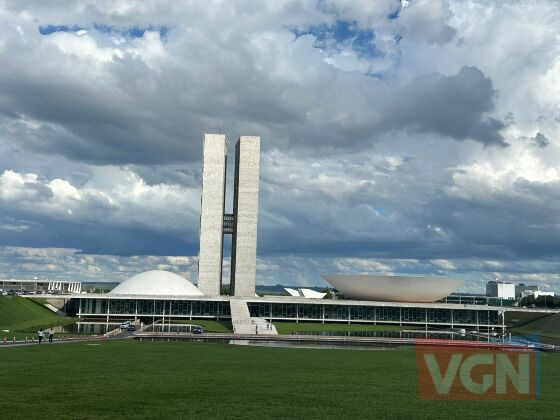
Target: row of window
x=288, y=310
x=477, y=300
x=369, y=313
x=154, y=307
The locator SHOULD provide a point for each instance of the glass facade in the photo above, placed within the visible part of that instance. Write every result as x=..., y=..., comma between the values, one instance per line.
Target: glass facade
x=99, y=307
x=477, y=300
x=153, y=307
x=371, y=313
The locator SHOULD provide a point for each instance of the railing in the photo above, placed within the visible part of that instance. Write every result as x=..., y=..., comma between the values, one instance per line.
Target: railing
x=160, y=328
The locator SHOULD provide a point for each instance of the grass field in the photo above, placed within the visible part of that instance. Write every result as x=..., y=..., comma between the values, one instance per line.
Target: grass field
x=289, y=327
x=546, y=326
x=124, y=378
x=518, y=319
x=23, y=317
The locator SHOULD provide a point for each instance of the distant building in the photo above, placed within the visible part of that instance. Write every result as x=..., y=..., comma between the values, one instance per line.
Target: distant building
x=537, y=293
x=500, y=289
x=47, y=286
x=522, y=290
x=306, y=293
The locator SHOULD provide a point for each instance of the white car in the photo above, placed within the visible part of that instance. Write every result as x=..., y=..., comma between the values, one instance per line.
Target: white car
x=125, y=325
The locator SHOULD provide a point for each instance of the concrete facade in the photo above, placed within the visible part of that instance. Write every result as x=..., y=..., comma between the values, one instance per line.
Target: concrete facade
x=500, y=289
x=212, y=214
x=522, y=290
x=245, y=210
x=41, y=286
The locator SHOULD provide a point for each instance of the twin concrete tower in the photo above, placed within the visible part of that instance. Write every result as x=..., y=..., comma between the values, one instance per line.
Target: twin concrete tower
x=242, y=224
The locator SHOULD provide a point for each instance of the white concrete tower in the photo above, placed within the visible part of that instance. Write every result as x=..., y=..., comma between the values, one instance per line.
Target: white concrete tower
x=212, y=214
x=245, y=211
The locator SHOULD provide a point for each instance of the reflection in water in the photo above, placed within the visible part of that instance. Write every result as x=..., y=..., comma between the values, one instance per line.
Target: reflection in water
x=96, y=328
x=170, y=328
x=444, y=335
x=70, y=328
x=326, y=346
x=186, y=329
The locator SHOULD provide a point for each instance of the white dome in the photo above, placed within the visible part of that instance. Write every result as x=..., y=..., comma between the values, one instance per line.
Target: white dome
x=157, y=283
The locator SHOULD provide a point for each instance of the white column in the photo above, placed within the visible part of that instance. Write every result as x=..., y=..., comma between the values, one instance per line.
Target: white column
x=212, y=214
x=246, y=210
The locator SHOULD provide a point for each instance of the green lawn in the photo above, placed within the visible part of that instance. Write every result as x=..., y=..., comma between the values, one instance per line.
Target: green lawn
x=24, y=317
x=546, y=326
x=290, y=327
x=518, y=319
x=129, y=379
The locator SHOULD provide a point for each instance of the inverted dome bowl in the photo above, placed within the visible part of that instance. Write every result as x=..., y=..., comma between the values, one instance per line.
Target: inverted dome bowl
x=393, y=288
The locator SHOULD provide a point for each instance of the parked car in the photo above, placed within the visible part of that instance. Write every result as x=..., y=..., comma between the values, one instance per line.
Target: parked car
x=198, y=330
x=131, y=327
x=125, y=325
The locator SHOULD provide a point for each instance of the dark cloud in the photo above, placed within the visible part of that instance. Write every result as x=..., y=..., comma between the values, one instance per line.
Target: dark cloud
x=93, y=238
x=540, y=140
x=140, y=110
x=364, y=151
x=453, y=106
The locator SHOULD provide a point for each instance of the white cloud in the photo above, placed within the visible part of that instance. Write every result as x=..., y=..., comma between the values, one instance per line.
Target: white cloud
x=114, y=196
x=499, y=174
x=445, y=264
x=100, y=128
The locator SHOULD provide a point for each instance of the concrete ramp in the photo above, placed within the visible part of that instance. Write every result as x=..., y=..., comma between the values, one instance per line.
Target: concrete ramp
x=244, y=324
x=54, y=309
x=240, y=317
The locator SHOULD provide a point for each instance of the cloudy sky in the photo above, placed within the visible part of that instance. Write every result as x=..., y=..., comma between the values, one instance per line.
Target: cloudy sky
x=417, y=137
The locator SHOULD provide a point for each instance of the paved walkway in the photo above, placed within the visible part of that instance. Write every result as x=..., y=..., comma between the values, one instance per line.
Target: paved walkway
x=58, y=340
x=21, y=343
x=264, y=327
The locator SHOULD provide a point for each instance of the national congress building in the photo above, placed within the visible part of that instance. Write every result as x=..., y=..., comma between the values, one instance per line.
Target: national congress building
x=160, y=296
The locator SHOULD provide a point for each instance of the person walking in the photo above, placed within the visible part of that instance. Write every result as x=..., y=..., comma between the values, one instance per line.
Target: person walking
x=51, y=335
x=40, y=335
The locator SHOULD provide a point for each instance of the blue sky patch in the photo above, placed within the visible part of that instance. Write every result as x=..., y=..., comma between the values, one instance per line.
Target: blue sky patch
x=133, y=31
x=49, y=29
x=395, y=14
x=343, y=33
x=129, y=32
